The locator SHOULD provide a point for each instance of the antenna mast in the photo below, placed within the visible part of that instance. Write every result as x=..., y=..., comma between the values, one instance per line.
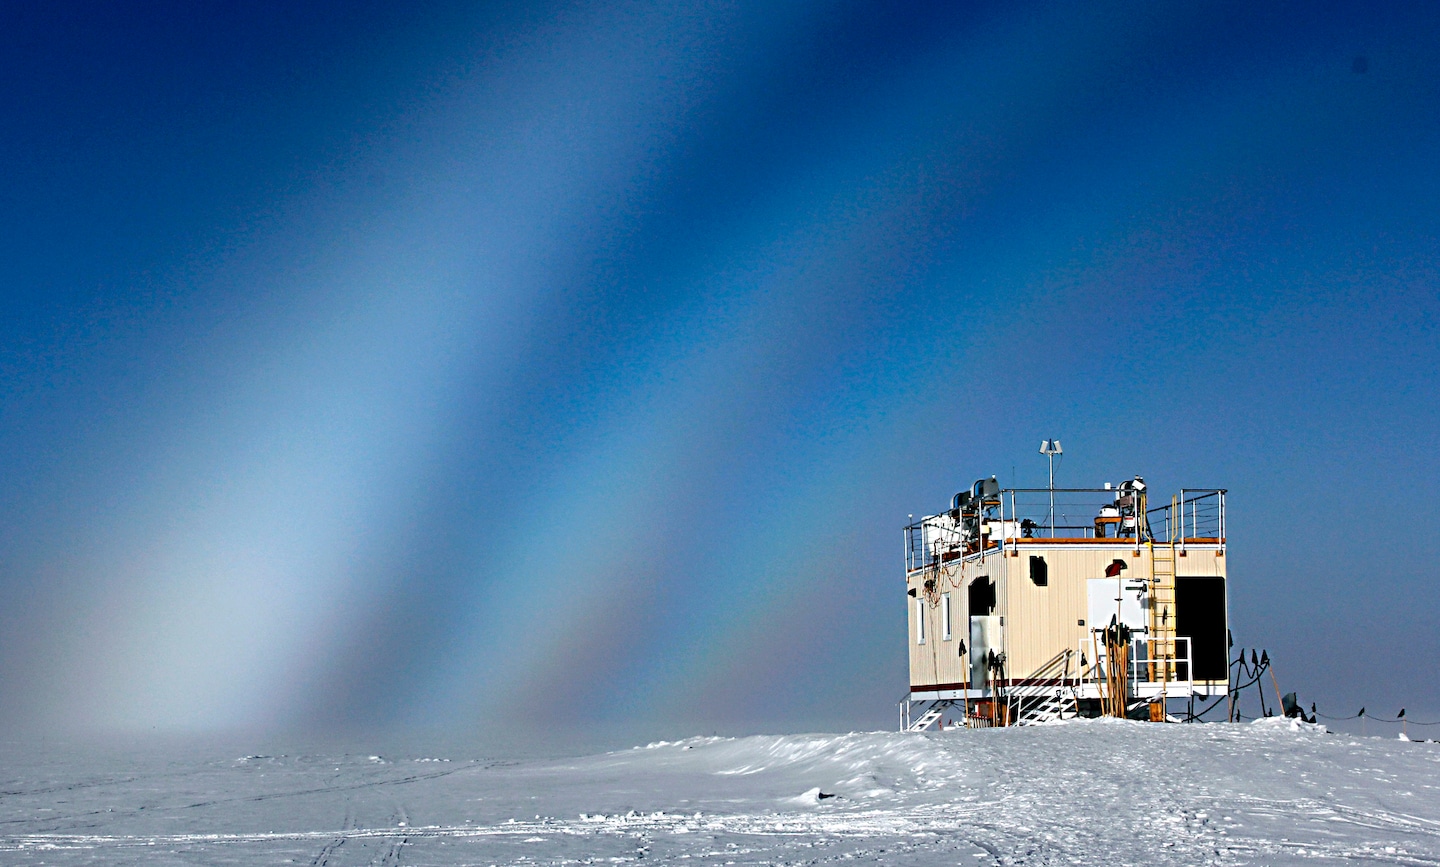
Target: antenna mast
x=1051, y=448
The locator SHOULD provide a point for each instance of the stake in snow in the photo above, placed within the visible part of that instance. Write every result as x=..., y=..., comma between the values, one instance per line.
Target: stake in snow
x=1029, y=605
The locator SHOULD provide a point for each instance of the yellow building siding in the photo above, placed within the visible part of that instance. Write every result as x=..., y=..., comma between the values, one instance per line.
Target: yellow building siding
x=1039, y=622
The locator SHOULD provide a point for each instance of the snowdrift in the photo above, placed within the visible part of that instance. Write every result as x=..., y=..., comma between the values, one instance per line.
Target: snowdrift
x=1097, y=792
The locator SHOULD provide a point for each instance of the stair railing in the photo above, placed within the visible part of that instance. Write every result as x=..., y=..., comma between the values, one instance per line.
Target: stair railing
x=1031, y=697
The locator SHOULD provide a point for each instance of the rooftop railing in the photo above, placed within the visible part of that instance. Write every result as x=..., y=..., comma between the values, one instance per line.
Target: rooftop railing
x=1193, y=516
x=1015, y=515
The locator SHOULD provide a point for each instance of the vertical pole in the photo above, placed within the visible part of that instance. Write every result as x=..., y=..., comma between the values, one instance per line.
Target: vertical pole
x=1178, y=507
x=1015, y=516
x=1229, y=693
x=1003, y=532
x=965, y=696
x=1095, y=672
x=1052, y=494
x=1119, y=603
x=910, y=547
x=1124, y=679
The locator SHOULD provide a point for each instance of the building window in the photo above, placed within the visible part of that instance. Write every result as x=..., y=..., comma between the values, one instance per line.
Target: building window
x=919, y=621
x=982, y=597
x=945, y=616
x=1039, y=572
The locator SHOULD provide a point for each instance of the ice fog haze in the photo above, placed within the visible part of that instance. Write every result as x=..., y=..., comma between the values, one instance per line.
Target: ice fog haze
x=572, y=367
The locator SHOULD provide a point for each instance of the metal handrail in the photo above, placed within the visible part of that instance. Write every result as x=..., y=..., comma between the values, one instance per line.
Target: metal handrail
x=1140, y=667
x=1206, y=508
x=1195, y=514
x=1059, y=661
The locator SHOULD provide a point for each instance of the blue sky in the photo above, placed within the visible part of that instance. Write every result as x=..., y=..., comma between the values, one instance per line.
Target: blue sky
x=384, y=368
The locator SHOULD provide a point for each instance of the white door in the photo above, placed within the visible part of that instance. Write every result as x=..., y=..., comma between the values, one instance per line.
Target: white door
x=1121, y=599
x=986, y=635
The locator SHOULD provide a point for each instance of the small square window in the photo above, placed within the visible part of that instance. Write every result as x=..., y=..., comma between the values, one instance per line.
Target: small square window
x=1039, y=572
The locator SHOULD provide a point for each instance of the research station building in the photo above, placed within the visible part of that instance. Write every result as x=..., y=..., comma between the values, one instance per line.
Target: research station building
x=1019, y=600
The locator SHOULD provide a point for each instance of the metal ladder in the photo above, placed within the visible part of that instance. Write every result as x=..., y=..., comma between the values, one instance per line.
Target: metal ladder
x=1162, y=604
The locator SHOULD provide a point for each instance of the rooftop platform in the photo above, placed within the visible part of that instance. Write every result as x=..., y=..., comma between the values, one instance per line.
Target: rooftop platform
x=989, y=519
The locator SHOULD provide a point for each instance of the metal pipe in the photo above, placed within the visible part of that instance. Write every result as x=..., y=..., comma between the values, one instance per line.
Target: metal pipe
x=1179, y=507
x=1052, y=495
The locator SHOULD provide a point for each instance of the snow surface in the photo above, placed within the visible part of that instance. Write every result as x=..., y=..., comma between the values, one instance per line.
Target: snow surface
x=1095, y=792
